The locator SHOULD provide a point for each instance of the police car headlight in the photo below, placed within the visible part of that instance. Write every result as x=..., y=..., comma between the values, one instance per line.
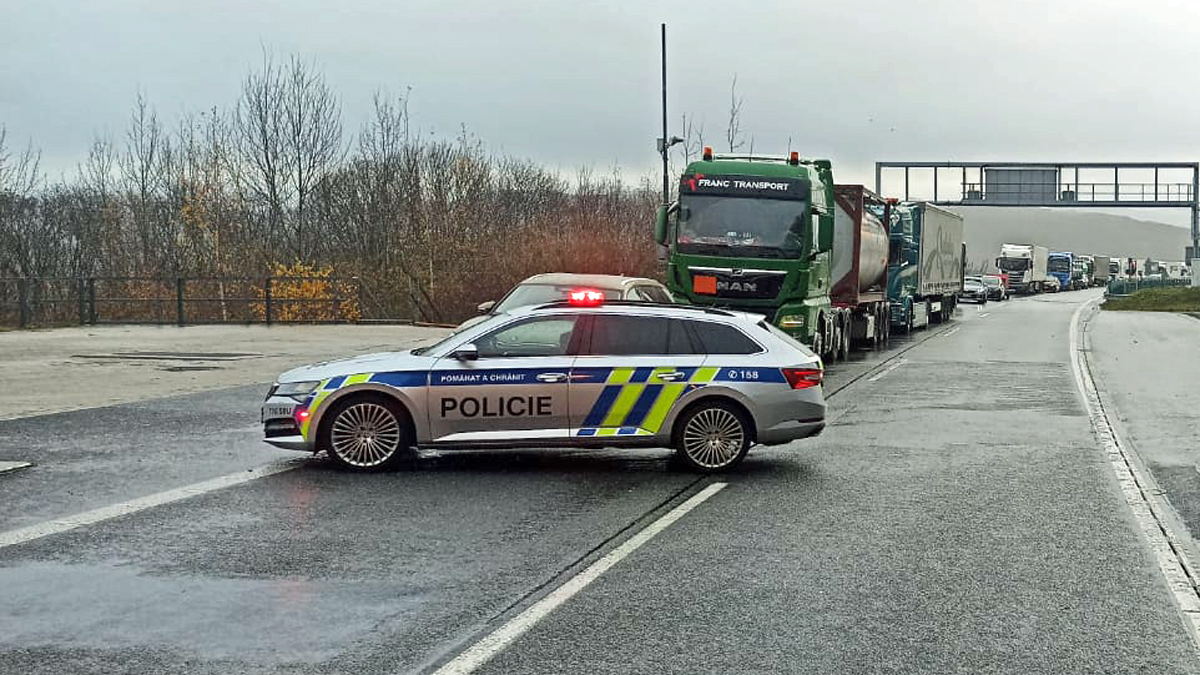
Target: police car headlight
x=297, y=390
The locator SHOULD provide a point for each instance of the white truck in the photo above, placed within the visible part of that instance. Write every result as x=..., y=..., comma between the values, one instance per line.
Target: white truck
x=1102, y=272
x=1025, y=265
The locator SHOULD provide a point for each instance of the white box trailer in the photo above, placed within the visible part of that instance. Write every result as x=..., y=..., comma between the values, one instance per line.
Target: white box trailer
x=1101, y=274
x=942, y=263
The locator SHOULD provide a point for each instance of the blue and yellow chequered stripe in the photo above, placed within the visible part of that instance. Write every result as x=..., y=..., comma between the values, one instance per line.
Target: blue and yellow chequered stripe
x=633, y=404
x=323, y=391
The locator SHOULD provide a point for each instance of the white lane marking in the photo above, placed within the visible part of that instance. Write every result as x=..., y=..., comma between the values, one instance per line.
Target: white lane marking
x=952, y=331
x=1138, y=488
x=483, y=651
x=877, y=376
x=13, y=466
x=45, y=529
x=983, y=315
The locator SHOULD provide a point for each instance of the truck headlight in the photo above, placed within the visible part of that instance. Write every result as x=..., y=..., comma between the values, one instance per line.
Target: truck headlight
x=296, y=390
x=791, y=321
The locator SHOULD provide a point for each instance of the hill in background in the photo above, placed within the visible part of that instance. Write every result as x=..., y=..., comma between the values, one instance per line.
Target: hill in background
x=1062, y=230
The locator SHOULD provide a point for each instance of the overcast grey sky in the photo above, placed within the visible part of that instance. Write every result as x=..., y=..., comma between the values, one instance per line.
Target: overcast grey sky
x=571, y=82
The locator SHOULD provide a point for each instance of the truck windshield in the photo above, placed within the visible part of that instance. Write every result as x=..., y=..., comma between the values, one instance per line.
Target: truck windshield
x=1059, y=265
x=1014, y=264
x=717, y=225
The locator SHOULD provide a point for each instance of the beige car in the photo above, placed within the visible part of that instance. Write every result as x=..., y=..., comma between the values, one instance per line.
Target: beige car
x=542, y=288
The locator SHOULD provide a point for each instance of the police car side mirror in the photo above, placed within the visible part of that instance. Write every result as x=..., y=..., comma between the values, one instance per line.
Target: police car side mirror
x=467, y=352
x=485, y=307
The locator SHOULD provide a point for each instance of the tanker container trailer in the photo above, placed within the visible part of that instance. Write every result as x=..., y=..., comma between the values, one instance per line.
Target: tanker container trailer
x=859, y=264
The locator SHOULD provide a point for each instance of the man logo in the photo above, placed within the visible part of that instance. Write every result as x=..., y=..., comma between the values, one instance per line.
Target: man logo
x=742, y=286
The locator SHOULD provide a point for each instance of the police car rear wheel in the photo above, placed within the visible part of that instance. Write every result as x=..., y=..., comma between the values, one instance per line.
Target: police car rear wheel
x=367, y=433
x=712, y=437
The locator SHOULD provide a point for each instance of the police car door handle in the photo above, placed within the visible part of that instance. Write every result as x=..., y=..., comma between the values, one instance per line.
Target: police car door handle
x=671, y=377
x=552, y=377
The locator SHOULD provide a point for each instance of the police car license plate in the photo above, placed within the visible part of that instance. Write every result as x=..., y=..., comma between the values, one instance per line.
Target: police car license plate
x=273, y=411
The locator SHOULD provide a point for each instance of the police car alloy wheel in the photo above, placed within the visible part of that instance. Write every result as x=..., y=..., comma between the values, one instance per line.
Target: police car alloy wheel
x=712, y=437
x=367, y=433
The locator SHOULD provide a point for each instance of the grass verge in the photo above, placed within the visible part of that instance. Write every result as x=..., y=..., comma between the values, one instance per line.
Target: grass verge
x=1178, y=299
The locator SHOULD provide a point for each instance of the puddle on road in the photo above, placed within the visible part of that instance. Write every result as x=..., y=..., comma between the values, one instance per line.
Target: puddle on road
x=118, y=606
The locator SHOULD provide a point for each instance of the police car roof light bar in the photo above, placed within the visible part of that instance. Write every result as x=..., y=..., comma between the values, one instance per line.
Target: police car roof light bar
x=639, y=303
x=586, y=297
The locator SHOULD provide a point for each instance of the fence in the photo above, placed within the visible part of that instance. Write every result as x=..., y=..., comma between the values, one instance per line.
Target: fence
x=27, y=302
x=1120, y=287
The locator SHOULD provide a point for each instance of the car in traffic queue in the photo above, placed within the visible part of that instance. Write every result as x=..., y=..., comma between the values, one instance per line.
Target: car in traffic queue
x=1051, y=284
x=542, y=288
x=997, y=289
x=582, y=373
x=974, y=290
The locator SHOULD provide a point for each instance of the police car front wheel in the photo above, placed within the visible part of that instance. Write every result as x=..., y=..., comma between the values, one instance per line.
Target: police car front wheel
x=367, y=433
x=712, y=437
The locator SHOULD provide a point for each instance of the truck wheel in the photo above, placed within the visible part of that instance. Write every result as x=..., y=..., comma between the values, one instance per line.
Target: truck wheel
x=845, y=345
x=818, y=339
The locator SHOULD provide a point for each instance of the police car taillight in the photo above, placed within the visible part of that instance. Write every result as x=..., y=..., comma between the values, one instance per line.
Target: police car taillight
x=803, y=378
x=585, y=297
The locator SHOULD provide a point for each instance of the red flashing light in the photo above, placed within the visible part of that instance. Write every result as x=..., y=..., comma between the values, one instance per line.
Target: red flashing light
x=708, y=153
x=803, y=378
x=794, y=158
x=586, y=297
x=893, y=200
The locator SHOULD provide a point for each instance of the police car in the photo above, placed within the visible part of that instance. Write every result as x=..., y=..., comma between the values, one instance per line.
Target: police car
x=586, y=372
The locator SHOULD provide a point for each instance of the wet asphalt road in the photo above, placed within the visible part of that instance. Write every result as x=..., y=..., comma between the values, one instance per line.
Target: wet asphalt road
x=955, y=517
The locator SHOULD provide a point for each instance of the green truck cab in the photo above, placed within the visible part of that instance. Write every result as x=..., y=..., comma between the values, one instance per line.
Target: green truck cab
x=754, y=234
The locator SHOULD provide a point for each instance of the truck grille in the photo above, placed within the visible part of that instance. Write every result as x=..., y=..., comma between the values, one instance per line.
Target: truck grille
x=739, y=284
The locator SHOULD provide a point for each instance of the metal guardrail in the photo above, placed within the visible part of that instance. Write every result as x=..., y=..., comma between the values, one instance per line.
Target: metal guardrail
x=1122, y=287
x=29, y=301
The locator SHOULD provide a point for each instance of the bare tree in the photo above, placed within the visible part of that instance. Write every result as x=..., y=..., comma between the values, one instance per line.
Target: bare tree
x=20, y=237
x=313, y=138
x=733, y=130
x=141, y=166
x=260, y=122
x=693, y=138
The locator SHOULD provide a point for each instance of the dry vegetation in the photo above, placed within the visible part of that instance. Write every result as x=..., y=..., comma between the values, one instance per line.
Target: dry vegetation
x=277, y=186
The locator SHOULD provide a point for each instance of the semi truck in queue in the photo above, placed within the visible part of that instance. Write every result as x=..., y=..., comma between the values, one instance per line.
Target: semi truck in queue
x=1060, y=265
x=776, y=236
x=757, y=234
x=1025, y=265
x=926, y=265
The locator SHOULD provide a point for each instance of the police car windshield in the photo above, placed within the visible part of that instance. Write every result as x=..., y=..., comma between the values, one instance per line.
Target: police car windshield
x=537, y=294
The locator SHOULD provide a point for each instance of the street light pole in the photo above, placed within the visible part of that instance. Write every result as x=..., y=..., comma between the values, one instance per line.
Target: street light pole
x=663, y=145
x=665, y=142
